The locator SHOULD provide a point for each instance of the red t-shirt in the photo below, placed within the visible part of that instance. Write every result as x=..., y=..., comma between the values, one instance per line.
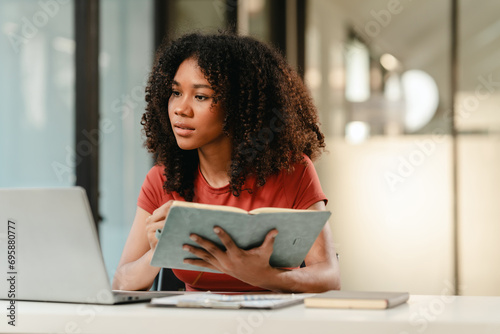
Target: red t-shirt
x=298, y=189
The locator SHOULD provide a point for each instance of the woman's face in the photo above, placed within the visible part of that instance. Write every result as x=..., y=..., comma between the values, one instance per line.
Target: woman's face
x=197, y=124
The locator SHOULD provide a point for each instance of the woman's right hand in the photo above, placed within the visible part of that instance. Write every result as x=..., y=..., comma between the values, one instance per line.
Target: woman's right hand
x=156, y=222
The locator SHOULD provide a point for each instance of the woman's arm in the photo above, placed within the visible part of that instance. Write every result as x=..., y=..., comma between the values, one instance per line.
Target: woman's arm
x=320, y=274
x=134, y=271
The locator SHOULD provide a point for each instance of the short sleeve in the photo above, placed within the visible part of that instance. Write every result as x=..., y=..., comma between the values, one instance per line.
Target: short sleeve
x=152, y=194
x=302, y=186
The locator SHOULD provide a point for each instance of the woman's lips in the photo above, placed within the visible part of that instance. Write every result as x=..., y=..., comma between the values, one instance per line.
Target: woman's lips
x=182, y=129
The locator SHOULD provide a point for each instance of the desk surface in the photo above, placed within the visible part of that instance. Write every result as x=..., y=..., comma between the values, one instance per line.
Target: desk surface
x=422, y=314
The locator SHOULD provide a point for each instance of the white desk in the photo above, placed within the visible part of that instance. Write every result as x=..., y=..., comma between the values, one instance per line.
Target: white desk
x=422, y=314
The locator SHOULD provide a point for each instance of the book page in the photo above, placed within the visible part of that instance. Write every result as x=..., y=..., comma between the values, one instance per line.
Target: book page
x=271, y=210
x=233, y=209
x=208, y=206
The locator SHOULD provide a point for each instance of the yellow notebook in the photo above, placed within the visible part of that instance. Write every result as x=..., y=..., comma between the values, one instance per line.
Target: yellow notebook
x=357, y=299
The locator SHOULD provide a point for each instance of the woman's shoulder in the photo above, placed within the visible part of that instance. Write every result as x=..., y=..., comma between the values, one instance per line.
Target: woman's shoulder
x=303, y=184
x=157, y=170
x=152, y=194
x=302, y=165
x=155, y=176
x=298, y=172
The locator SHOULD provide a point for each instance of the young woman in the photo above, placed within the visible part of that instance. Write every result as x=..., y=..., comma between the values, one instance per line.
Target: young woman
x=229, y=123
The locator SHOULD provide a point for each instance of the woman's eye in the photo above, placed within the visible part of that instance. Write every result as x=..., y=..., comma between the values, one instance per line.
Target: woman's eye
x=201, y=97
x=176, y=93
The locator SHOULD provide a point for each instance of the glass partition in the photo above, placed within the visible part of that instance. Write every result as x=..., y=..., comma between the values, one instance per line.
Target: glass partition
x=197, y=15
x=125, y=59
x=380, y=76
x=478, y=125
x=36, y=94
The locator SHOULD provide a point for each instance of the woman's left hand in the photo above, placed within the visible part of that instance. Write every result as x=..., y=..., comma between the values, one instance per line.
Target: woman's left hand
x=249, y=266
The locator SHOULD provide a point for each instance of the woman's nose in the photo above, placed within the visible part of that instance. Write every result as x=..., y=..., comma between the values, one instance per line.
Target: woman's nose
x=183, y=108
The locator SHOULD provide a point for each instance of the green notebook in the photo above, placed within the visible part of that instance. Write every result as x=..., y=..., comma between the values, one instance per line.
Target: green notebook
x=298, y=229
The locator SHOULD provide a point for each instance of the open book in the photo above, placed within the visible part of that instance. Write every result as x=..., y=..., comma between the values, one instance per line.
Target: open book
x=297, y=231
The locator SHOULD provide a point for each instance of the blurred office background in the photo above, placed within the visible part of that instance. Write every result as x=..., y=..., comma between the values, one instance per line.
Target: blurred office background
x=408, y=95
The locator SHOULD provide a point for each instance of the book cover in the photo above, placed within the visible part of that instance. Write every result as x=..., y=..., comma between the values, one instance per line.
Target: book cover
x=297, y=231
x=357, y=299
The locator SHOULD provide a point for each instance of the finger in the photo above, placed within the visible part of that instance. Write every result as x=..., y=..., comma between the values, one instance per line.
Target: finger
x=155, y=217
x=268, y=243
x=199, y=252
x=204, y=259
x=151, y=233
x=225, y=238
x=209, y=246
x=152, y=220
x=200, y=263
x=153, y=227
x=161, y=212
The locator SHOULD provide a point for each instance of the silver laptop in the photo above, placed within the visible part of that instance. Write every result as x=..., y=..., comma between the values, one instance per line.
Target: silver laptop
x=49, y=249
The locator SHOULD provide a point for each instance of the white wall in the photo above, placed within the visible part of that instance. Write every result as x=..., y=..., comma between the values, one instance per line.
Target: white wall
x=391, y=237
x=479, y=180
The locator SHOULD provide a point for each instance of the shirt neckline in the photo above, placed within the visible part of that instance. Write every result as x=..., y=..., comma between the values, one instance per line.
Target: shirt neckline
x=221, y=190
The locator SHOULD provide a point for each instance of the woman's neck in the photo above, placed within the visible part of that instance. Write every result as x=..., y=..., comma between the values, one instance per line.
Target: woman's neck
x=215, y=163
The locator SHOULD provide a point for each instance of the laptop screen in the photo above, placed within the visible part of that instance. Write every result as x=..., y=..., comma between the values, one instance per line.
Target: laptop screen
x=54, y=248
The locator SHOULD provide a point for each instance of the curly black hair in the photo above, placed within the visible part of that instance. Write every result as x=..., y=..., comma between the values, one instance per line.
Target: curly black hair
x=269, y=114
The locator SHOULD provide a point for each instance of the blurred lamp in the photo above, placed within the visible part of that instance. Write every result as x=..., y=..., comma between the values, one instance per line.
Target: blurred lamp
x=357, y=132
x=421, y=97
x=357, y=64
x=389, y=62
